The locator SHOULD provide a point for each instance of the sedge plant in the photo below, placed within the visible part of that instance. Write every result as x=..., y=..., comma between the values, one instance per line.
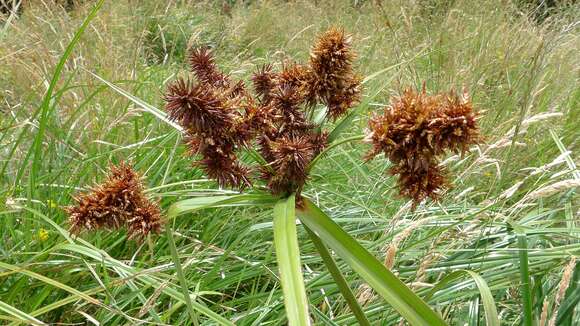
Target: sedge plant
x=283, y=123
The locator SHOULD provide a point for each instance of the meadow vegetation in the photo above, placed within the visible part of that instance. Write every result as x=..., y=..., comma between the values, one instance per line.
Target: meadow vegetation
x=499, y=246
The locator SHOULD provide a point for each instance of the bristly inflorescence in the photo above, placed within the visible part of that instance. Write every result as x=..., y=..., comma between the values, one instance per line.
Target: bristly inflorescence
x=221, y=117
x=117, y=202
x=415, y=130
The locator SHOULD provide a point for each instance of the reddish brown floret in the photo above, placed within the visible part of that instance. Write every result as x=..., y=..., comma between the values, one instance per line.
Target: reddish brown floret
x=117, y=202
x=199, y=108
x=333, y=80
x=220, y=116
x=203, y=66
x=264, y=81
x=291, y=158
x=221, y=164
x=418, y=184
x=415, y=130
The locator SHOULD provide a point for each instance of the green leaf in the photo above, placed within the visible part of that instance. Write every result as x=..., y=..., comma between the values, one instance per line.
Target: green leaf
x=491, y=315
x=395, y=292
x=88, y=250
x=20, y=314
x=525, y=279
x=47, y=99
x=338, y=278
x=180, y=275
x=288, y=257
x=159, y=114
x=192, y=204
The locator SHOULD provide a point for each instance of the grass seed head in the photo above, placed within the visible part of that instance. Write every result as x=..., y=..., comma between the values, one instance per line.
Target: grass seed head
x=117, y=202
x=417, y=128
x=203, y=66
x=199, y=108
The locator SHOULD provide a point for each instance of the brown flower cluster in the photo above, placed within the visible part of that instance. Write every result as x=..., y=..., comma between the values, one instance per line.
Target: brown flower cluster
x=117, y=202
x=220, y=116
x=415, y=130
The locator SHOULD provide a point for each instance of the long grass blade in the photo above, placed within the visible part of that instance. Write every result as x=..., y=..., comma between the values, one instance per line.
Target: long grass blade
x=288, y=258
x=180, y=275
x=46, y=101
x=20, y=314
x=491, y=316
x=525, y=279
x=395, y=292
x=338, y=279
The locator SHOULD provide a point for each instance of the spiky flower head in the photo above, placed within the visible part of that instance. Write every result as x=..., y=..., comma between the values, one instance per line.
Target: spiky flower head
x=117, y=202
x=333, y=80
x=415, y=130
x=203, y=66
x=199, y=108
x=291, y=154
x=264, y=80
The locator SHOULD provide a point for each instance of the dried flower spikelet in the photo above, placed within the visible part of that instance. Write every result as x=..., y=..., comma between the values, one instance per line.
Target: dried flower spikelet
x=291, y=154
x=457, y=123
x=332, y=54
x=221, y=164
x=203, y=65
x=117, y=202
x=199, y=108
x=145, y=220
x=264, y=81
x=414, y=131
x=332, y=80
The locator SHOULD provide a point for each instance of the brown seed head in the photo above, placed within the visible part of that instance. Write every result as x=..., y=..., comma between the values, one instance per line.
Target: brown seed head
x=415, y=130
x=332, y=80
x=264, y=81
x=117, y=202
x=199, y=108
x=291, y=155
x=206, y=71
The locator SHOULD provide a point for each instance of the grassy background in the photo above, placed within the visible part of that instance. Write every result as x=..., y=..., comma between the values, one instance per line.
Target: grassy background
x=521, y=72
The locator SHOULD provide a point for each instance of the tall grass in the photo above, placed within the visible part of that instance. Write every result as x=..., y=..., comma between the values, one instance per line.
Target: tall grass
x=523, y=181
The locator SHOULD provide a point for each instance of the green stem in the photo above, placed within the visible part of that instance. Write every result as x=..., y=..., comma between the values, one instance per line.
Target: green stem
x=180, y=275
x=338, y=278
x=525, y=279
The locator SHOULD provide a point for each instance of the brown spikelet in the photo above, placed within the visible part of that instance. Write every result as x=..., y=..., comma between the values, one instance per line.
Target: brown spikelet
x=291, y=154
x=332, y=54
x=264, y=81
x=117, y=202
x=198, y=108
x=206, y=71
x=221, y=164
x=332, y=80
x=414, y=130
x=345, y=97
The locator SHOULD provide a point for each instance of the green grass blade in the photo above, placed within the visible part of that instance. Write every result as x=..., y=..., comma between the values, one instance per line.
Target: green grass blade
x=192, y=204
x=180, y=275
x=525, y=279
x=395, y=292
x=50, y=281
x=288, y=258
x=146, y=106
x=338, y=278
x=20, y=314
x=491, y=316
x=46, y=101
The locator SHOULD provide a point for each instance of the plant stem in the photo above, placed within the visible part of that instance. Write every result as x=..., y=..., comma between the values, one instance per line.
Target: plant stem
x=180, y=274
x=338, y=278
x=525, y=279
